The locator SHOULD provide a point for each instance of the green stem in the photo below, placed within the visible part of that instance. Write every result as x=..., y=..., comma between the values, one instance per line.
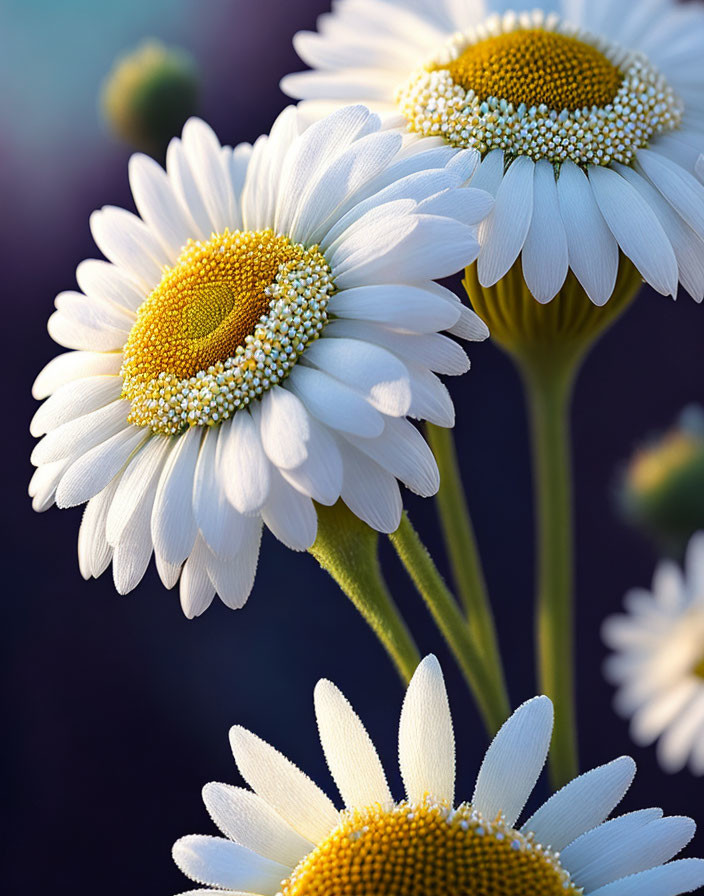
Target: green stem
x=462, y=549
x=549, y=393
x=492, y=702
x=347, y=548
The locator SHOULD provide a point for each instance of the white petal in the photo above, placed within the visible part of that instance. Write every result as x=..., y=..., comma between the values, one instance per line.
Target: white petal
x=290, y=515
x=134, y=549
x=350, y=754
x=196, y=590
x=102, y=280
x=284, y=787
x=504, y=232
x=371, y=370
x=233, y=577
x=681, y=189
x=71, y=366
x=42, y=485
x=285, y=426
x=636, y=228
x=369, y=491
x=94, y=552
x=582, y=804
x=431, y=401
x=174, y=527
x=220, y=524
x=245, y=469
x=593, y=251
x=513, y=762
x=426, y=741
x=93, y=470
x=607, y=855
x=202, y=151
x=333, y=403
x=82, y=434
x=73, y=400
x=545, y=257
x=403, y=307
x=213, y=860
x=676, y=743
x=320, y=475
x=244, y=817
x=139, y=479
x=87, y=324
x=682, y=876
x=185, y=187
x=127, y=241
x=158, y=205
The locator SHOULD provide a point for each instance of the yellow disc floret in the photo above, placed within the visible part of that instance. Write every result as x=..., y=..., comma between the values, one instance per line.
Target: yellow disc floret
x=532, y=85
x=225, y=323
x=537, y=67
x=427, y=849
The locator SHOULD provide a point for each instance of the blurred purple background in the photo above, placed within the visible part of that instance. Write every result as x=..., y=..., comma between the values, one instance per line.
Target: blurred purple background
x=117, y=708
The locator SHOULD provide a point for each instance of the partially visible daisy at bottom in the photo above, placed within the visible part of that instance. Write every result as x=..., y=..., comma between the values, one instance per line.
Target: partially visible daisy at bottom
x=658, y=661
x=255, y=343
x=286, y=838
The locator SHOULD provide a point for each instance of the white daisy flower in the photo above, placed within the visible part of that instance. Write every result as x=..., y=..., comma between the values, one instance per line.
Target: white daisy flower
x=658, y=661
x=254, y=344
x=287, y=837
x=589, y=117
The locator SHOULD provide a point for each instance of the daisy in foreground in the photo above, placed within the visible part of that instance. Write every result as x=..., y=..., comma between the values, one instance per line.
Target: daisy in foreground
x=254, y=344
x=287, y=837
x=658, y=663
x=589, y=117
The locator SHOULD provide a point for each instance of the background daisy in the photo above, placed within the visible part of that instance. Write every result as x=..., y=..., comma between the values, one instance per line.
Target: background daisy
x=607, y=95
x=255, y=343
x=658, y=661
x=286, y=837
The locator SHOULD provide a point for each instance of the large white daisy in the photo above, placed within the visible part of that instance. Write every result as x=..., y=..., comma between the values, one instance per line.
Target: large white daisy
x=589, y=115
x=255, y=343
x=288, y=838
x=658, y=661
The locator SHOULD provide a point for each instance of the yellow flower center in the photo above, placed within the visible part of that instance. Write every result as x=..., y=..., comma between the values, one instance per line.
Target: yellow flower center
x=427, y=850
x=225, y=323
x=652, y=466
x=537, y=67
x=533, y=85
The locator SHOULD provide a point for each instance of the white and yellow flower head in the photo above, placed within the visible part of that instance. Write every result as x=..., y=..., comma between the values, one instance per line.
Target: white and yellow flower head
x=589, y=117
x=286, y=837
x=658, y=661
x=255, y=343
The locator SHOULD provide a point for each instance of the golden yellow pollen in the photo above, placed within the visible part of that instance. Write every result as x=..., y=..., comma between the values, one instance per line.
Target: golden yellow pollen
x=225, y=323
x=537, y=67
x=427, y=850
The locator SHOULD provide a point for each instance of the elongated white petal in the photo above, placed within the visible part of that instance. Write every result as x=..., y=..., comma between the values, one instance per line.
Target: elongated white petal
x=245, y=470
x=681, y=189
x=245, y=818
x=101, y=280
x=212, y=860
x=426, y=741
x=504, y=232
x=637, y=229
x=284, y=427
x=545, y=256
x=514, y=761
x=94, y=551
x=140, y=478
x=682, y=876
x=196, y=590
x=233, y=576
x=202, y=150
x=290, y=515
x=582, y=804
x=334, y=403
x=284, y=787
x=369, y=491
x=158, y=204
x=593, y=251
x=71, y=366
x=403, y=307
x=73, y=400
x=174, y=527
x=127, y=241
x=82, y=434
x=221, y=525
x=349, y=751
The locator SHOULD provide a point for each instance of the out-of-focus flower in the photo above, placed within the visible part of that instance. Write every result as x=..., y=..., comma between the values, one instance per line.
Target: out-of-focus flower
x=588, y=117
x=255, y=344
x=662, y=487
x=288, y=838
x=658, y=663
x=149, y=94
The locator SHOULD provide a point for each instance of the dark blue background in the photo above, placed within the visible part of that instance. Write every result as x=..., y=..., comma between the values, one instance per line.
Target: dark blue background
x=117, y=708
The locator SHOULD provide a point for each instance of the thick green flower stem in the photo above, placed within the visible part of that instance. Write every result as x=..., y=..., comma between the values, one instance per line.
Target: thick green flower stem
x=490, y=697
x=549, y=402
x=347, y=548
x=463, y=552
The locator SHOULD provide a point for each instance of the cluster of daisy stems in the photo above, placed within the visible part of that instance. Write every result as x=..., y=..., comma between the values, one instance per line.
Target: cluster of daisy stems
x=250, y=354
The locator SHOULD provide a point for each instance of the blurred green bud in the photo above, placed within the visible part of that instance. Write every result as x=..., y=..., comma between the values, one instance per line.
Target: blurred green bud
x=149, y=94
x=662, y=489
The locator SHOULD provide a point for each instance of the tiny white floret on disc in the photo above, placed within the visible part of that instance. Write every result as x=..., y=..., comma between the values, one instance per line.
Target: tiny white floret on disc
x=591, y=85
x=253, y=345
x=427, y=842
x=658, y=661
